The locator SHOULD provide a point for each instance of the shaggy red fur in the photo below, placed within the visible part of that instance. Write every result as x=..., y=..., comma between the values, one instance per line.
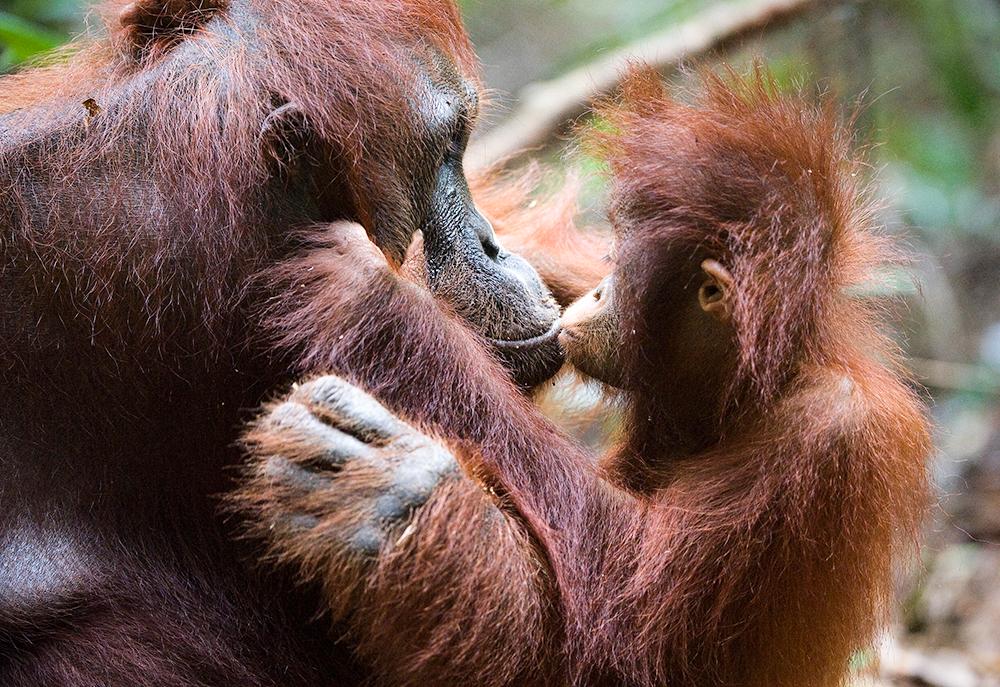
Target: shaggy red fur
x=767, y=555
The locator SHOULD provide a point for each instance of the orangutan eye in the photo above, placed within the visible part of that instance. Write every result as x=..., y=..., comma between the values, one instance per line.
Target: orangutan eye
x=459, y=136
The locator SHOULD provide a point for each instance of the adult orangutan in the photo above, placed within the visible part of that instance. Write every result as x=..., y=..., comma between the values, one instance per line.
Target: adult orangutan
x=770, y=472
x=145, y=184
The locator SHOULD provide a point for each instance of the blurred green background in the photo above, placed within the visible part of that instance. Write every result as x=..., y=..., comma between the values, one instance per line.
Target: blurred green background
x=930, y=74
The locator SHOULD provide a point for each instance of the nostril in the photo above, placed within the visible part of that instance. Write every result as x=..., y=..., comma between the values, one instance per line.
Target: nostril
x=491, y=249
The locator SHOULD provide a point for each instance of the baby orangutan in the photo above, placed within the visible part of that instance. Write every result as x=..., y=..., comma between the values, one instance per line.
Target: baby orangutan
x=770, y=471
x=769, y=430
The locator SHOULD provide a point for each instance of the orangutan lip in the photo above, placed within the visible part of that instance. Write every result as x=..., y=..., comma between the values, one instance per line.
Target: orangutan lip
x=534, y=341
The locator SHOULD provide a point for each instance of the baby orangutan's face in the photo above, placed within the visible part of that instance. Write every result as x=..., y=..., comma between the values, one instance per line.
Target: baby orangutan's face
x=590, y=334
x=693, y=335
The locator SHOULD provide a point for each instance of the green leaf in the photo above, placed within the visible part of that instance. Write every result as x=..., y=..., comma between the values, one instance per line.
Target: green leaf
x=54, y=14
x=21, y=39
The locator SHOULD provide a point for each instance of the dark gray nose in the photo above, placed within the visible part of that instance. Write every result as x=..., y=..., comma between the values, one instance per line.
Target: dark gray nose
x=485, y=234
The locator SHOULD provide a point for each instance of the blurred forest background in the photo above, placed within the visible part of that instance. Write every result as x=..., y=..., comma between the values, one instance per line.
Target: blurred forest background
x=928, y=73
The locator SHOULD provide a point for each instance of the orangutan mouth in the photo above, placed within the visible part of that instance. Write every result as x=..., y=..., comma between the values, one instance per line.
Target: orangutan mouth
x=532, y=342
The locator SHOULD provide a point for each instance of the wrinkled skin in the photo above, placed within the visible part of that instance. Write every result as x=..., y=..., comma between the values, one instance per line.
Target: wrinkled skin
x=354, y=451
x=497, y=292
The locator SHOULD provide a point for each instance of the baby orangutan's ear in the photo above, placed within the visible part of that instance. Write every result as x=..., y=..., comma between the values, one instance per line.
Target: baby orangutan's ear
x=285, y=135
x=716, y=292
x=146, y=23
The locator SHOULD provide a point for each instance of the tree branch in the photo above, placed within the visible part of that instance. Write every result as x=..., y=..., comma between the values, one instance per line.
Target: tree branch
x=949, y=376
x=545, y=106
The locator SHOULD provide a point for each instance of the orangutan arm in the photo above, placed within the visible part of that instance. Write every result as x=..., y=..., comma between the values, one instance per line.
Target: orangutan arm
x=502, y=571
x=436, y=580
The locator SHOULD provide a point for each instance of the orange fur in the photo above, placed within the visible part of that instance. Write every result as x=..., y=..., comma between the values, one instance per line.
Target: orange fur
x=768, y=551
